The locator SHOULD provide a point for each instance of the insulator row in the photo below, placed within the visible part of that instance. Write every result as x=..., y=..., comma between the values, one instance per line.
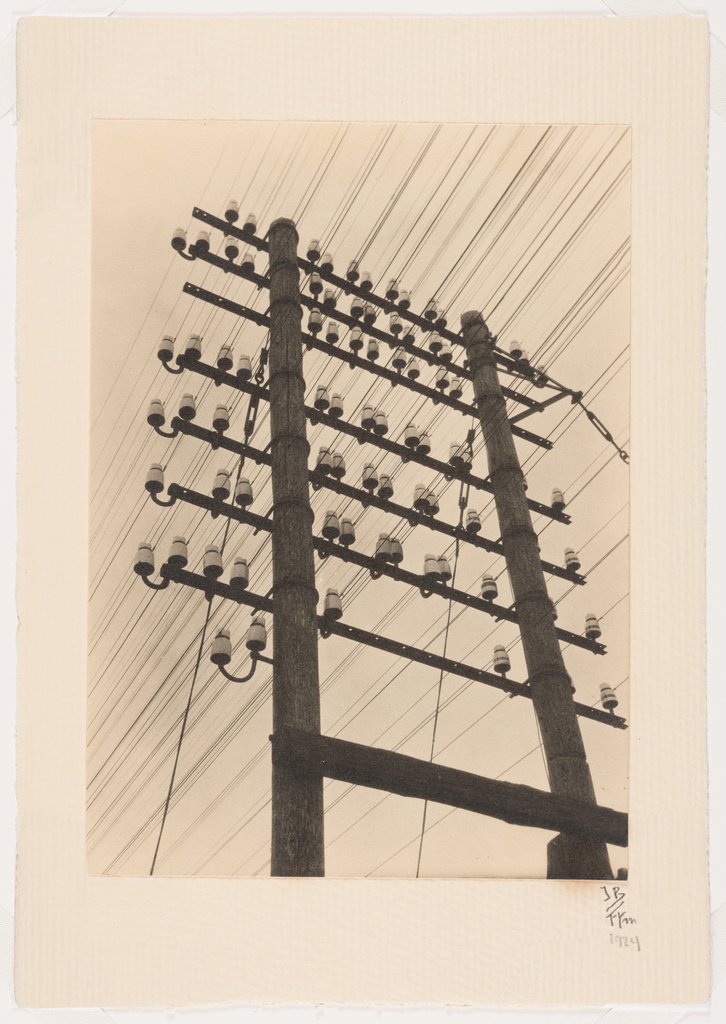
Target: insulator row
x=325, y=402
x=193, y=352
x=331, y=462
x=375, y=420
x=437, y=569
x=256, y=641
x=388, y=549
x=393, y=293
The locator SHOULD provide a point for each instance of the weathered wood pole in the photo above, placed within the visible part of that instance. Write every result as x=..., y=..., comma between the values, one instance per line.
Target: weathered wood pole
x=297, y=797
x=568, y=856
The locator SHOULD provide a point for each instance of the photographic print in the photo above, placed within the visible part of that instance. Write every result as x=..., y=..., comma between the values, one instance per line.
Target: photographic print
x=359, y=500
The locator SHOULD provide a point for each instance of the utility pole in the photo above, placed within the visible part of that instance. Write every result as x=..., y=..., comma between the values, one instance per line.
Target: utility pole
x=569, y=774
x=297, y=796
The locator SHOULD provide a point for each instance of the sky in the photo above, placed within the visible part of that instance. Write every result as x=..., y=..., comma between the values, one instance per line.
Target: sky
x=529, y=224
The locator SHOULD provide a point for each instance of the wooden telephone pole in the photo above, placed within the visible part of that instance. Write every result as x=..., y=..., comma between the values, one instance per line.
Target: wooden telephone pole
x=569, y=774
x=297, y=796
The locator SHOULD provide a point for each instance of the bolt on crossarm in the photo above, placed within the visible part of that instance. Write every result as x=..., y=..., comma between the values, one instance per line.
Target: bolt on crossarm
x=569, y=773
x=297, y=797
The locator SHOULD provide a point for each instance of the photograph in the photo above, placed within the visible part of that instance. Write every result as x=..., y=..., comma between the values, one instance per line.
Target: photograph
x=359, y=493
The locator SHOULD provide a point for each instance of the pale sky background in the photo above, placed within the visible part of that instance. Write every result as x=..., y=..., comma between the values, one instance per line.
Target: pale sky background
x=546, y=260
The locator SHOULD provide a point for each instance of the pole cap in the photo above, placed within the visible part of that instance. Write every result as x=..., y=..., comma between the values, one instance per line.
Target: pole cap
x=283, y=222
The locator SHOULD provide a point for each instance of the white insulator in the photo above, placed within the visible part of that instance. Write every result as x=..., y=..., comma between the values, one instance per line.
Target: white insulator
x=202, y=242
x=179, y=240
x=558, y=501
x=231, y=214
x=430, y=311
x=607, y=697
x=355, y=339
x=212, y=562
x=338, y=466
x=444, y=569
x=313, y=253
x=331, y=526
x=222, y=487
x=502, y=663
x=489, y=588
x=435, y=343
x=178, y=553
x=220, y=421
x=385, y=487
x=370, y=477
x=188, y=407
x=380, y=427
x=352, y=273
x=357, y=305
x=144, y=562
x=441, y=320
x=155, y=478
x=466, y=458
x=165, y=350
x=315, y=284
x=399, y=359
x=433, y=501
x=404, y=300
x=247, y=262
x=443, y=379
x=366, y=282
x=396, y=551
x=524, y=358
x=333, y=608
x=592, y=627
x=315, y=321
x=572, y=560
x=455, y=455
x=431, y=569
x=413, y=370
x=392, y=290
x=424, y=445
x=383, y=548
x=541, y=377
x=347, y=532
x=472, y=521
x=243, y=492
x=515, y=350
x=409, y=334
x=336, y=406
x=250, y=224
x=239, y=575
x=370, y=314
x=325, y=460
x=394, y=324
x=224, y=358
x=368, y=417
x=322, y=398
x=420, y=498
x=326, y=263
x=257, y=634
x=221, y=653
x=412, y=436
x=456, y=388
x=445, y=353
x=193, y=348
x=329, y=298
x=332, y=332
x=373, y=352
x=231, y=247
x=244, y=368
